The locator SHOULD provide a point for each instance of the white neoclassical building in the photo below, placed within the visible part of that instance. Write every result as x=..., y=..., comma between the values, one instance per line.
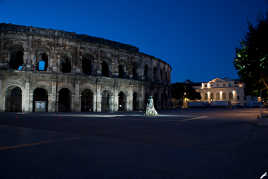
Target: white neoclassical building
x=225, y=90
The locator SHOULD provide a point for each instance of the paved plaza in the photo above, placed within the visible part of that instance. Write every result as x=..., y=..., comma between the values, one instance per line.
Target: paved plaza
x=192, y=143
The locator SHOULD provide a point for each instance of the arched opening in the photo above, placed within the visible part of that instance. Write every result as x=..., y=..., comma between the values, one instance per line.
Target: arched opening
x=42, y=62
x=87, y=101
x=121, y=101
x=121, y=72
x=14, y=100
x=166, y=76
x=40, y=100
x=146, y=72
x=65, y=65
x=86, y=65
x=162, y=101
x=135, y=102
x=134, y=72
x=105, y=69
x=105, y=101
x=155, y=73
x=64, y=104
x=16, y=60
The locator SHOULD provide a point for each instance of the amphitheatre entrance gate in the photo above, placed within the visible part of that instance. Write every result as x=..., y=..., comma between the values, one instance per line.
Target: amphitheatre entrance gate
x=64, y=104
x=87, y=101
x=14, y=100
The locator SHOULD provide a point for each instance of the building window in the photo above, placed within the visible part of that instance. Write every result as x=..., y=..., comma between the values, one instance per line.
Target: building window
x=104, y=69
x=146, y=72
x=86, y=66
x=121, y=71
x=231, y=96
x=16, y=60
x=42, y=62
x=217, y=96
x=223, y=96
x=65, y=65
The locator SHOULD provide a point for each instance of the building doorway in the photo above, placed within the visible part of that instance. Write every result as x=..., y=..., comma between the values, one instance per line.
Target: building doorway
x=14, y=100
x=64, y=104
x=87, y=101
x=121, y=102
x=105, y=101
x=40, y=100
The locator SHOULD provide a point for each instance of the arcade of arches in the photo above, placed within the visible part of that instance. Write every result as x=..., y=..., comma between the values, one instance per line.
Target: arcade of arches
x=89, y=101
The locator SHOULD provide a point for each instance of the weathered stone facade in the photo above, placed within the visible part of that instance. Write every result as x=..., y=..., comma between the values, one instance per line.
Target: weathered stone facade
x=82, y=73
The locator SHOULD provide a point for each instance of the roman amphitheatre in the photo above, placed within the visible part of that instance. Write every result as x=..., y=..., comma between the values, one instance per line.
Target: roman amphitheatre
x=46, y=70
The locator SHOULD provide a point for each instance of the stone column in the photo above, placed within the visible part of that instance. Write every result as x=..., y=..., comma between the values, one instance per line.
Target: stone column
x=2, y=97
x=111, y=103
x=98, y=98
x=130, y=100
x=94, y=102
x=115, y=100
x=52, y=101
x=30, y=102
x=25, y=98
x=76, y=99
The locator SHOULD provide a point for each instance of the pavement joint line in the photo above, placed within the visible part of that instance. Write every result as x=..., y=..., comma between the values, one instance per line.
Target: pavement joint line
x=3, y=148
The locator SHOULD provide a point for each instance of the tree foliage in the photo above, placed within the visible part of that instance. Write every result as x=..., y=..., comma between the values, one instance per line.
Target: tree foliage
x=251, y=59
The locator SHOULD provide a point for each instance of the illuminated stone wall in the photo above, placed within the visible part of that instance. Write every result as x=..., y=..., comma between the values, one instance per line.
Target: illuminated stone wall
x=78, y=63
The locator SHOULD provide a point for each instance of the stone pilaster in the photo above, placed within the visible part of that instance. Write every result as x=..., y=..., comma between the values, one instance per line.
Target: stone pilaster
x=52, y=101
x=98, y=98
x=76, y=98
x=25, y=98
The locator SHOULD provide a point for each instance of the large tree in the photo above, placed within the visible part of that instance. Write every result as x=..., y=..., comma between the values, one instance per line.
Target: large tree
x=251, y=59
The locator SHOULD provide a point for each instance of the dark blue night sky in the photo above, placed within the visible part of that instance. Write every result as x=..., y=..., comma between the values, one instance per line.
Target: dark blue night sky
x=197, y=38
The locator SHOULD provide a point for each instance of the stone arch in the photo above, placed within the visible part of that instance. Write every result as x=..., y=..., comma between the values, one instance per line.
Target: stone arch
x=16, y=58
x=135, y=101
x=65, y=64
x=40, y=100
x=155, y=73
x=122, y=101
x=105, y=71
x=65, y=98
x=145, y=73
x=121, y=71
x=42, y=62
x=87, y=101
x=135, y=71
x=161, y=74
x=13, y=99
x=87, y=61
x=106, y=101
